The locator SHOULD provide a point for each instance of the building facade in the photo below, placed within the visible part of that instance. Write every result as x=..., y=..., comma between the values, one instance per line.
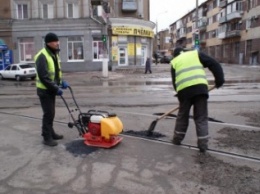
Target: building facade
x=228, y=30
x=5, y=34
x=84, y=29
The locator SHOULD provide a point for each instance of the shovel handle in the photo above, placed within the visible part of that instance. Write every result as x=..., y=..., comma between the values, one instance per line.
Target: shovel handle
x=167, y=113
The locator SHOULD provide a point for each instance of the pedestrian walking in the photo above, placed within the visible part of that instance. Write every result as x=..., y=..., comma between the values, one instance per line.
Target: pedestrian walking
x=49, y=83
x=148, y=65
x=190, y=82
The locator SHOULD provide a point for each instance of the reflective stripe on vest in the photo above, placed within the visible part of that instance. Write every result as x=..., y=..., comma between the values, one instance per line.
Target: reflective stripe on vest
x=51, y=67
x=188, y=70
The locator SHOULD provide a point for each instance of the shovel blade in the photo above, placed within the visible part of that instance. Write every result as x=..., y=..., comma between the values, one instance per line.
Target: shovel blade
x=151, y=128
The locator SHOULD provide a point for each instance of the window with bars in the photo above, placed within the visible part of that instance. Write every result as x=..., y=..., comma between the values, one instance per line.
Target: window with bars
x=75, y=48
x=22, y=11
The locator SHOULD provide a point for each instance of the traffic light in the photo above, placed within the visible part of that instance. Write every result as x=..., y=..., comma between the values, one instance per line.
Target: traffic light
x=104, y=38
x=196, y=39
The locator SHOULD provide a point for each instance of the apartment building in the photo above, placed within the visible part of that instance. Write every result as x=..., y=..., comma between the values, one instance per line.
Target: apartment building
x=228, y=30
x=162, y=42
x=88, y=30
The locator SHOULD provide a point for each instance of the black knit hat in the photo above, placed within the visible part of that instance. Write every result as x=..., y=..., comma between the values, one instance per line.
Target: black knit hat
x=51, y=37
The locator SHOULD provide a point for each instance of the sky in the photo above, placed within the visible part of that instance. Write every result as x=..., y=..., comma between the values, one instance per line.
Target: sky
x=167, y=12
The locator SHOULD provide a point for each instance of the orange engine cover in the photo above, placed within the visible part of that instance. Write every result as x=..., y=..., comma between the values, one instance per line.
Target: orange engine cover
x=94, y=129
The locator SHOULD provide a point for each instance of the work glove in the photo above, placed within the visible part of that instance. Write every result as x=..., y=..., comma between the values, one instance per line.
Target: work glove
x=59, y=92
x=218, y=84
x=64, y=85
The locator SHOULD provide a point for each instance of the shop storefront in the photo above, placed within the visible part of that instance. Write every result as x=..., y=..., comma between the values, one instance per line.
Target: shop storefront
x=6, y=57
x=131, y=41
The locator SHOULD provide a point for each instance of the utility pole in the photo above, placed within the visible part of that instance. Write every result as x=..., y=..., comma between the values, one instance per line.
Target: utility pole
x=156, y=54
x=197, y=13
x=156, y=51
x=196, y=35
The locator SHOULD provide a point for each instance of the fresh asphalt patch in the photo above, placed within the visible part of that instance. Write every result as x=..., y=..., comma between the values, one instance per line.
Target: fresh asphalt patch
x=144, y=134
x=79, y=149
x=191, y=117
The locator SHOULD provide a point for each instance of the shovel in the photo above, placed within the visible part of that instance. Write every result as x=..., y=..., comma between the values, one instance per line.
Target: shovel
x=153, y=124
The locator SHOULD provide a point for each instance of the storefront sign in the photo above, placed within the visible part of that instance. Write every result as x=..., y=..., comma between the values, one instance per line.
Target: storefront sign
x=132, y=31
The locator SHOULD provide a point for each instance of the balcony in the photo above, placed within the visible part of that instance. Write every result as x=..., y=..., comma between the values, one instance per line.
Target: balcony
x=234, y=15
x=202, y=24
x=230, y=34
x=181, y=33
x=203, y=42
x=222, y=4
x=99, y=13
x=222, y=20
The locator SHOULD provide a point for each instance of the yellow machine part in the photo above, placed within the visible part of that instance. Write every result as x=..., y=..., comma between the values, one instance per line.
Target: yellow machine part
x=111, y=126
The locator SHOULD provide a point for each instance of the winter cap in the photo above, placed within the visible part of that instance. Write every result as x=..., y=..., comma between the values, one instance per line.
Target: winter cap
x=51, y=37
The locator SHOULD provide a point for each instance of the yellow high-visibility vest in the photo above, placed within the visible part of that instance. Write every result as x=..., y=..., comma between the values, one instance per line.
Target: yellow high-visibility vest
x=51, y=68
x=188, y=70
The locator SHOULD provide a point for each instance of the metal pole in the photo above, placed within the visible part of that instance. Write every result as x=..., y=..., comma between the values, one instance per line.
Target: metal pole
x=156, y=61
x=197, y=14
x=156, y=54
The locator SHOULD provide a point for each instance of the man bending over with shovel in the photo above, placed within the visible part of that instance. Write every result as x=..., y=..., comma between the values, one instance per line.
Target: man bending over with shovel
x=190, y=82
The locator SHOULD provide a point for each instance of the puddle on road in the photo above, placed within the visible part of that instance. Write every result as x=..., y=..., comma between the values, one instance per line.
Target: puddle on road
x=162, y=81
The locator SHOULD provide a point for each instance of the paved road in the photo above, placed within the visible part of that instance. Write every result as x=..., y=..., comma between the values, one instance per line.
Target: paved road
x=136, y=165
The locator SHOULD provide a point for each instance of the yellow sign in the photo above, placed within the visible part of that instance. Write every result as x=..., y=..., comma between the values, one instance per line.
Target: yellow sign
x=114, y=48
x=131, y=49
x=132, y=31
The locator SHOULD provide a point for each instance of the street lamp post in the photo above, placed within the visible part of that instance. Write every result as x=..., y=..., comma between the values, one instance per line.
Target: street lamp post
x=196, y=35
x=156, y=54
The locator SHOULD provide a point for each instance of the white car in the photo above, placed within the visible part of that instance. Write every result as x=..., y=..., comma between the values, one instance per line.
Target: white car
x=18, y=71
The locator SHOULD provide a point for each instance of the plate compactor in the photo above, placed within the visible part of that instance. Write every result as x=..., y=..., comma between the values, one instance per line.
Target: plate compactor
x=98, y=128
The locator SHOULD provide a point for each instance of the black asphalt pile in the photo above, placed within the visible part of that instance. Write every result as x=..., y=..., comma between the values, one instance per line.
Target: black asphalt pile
x=191, y=117
x=144, y=134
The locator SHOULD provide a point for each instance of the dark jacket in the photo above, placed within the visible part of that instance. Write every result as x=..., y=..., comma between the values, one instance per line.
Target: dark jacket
x=200, y=89
x=42, y=71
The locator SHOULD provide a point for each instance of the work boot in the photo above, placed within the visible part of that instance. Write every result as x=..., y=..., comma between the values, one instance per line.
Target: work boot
x=202, y=146
x=50, y=142
x=57, y=136
x=176, y=141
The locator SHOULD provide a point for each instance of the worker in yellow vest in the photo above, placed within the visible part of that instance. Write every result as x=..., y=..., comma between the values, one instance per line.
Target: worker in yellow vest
x=49, y=83
x=190, y=82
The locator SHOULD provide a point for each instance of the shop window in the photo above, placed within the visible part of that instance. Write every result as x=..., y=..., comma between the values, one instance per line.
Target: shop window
x=75, y=48
x=26, y=49
x=47, y=11
x=22, y=11
x=97, y=50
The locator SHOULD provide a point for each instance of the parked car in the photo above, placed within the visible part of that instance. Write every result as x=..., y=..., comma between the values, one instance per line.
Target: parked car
x=166, y=59
x=19, y=71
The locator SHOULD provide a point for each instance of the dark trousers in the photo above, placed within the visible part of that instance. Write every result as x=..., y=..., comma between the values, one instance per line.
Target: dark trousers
x=200, y=116
x=48, y=107
x=148, y=68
